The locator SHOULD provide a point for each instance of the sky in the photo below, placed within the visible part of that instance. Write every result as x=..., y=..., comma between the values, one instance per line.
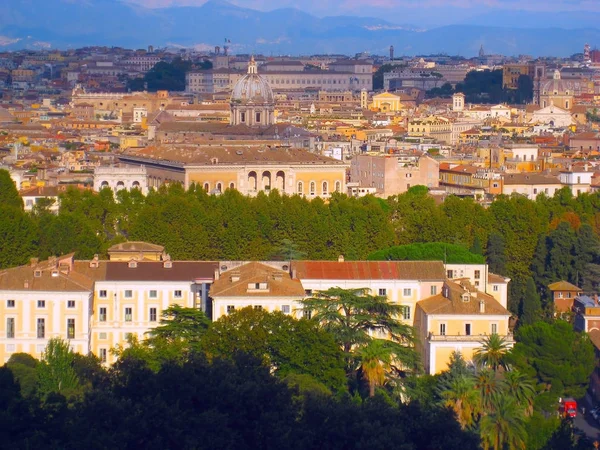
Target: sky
x=363, y=7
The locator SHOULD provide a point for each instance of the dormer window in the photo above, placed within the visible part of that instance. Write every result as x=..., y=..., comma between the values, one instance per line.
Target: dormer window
x=132, y=264
x=55, y=273
x=168, y=264
x=37, y=273
x=466, y=298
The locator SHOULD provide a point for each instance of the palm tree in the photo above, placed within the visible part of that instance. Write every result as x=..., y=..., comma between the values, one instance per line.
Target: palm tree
x=492, y=352
x=489, y=389
x=504, y=427
x=521, y=388
x=459, y=394
x=375, y=361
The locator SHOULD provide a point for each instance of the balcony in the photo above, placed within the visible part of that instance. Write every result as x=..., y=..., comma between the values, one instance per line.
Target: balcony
x=509, y=339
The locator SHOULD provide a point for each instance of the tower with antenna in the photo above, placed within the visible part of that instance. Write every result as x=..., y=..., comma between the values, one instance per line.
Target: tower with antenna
x=226, y=47
x=586, y=53
x=391, y=52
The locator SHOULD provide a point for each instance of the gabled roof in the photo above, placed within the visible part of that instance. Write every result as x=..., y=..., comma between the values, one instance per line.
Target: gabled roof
x=369, y=270
x=453, y=303
x=564, y=286
x=135, y=246
x=234, y=283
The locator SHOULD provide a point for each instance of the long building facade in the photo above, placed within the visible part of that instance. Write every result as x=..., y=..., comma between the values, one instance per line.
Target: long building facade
x=99, y=304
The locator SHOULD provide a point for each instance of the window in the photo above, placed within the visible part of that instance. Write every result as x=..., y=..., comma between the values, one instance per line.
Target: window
x=560, y=295
x=449, y=274
x=433, y=290
x=307, y=313
x=102, y=293
x=468, y=329
x=230, y=309
x=128, y=314
x=257, y=117
x=153, y=293
x=242, y=117
x=495, y=288
x=406, y=312
x=102, y=315
x=41, y=328
x=70, y=328
x=382, y=291
x=152, y=314
x=338, y=186
x=258, y=307
x=494, y=328
x=325, y=188
x=442, y=329
x=128, y=293
x=70, y=303
x=41, y=303
x=300, y=187
x=477, y=274
x=312, y=188
x=127, y=336
x=407, y=292
x=102, y=335
x=103, y=355
x=285, y=309
x=177, y=294
x=308, y=291
x=10, y=303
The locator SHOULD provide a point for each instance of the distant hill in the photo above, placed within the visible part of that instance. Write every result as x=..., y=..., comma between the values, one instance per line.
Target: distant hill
x=74, y=23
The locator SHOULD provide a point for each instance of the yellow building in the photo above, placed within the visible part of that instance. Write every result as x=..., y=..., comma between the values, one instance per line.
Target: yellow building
x=257, y=285
x=43, y=300
x=457, y=319
x=432, y=126
x=126, y=251
x=130, y=298
x=386, y=102
x=512, y=72
x=249, y=169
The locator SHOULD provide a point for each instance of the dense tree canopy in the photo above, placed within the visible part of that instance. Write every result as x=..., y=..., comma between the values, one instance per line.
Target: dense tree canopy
x=431, y=251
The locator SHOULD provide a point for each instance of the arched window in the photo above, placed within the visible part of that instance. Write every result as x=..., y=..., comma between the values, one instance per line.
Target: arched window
x=313, y=187
x=219, y=187
x=300, y=187
x=325, y=188
x=206, y=187
x=231, y=185
x=338, y=186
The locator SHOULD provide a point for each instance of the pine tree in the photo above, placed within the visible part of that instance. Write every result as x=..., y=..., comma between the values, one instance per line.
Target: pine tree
x=531, y=306
x=9, y=195
x=496, y=257
x=476, y=247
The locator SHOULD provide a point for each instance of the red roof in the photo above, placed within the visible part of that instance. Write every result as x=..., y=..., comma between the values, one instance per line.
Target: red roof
x=369, y=270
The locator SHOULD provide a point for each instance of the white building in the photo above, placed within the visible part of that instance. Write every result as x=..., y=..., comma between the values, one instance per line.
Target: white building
x=577, y=178
x=121, y=177
x=552, y=115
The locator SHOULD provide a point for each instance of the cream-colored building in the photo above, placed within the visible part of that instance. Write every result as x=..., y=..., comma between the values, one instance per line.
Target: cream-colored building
x=43, y=300
x=386, y=102
x=257, y=285
x=459, y=318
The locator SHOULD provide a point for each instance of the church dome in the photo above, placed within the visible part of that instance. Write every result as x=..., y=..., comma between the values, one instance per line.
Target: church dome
x=557, y=86
x=252, y=88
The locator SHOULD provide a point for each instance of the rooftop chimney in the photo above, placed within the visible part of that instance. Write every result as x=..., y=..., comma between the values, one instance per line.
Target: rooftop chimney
x=34, y=261
x=481, y=306
x=217, y=274
x=341, y=258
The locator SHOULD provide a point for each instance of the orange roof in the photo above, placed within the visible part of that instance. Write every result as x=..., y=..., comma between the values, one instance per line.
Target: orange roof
x=564, y=286
x=369, y=270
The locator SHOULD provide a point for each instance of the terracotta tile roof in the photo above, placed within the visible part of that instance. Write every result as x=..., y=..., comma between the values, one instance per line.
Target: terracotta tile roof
x=135, y=246
x=497, y=279
x=79, y=279
x=220, y=154
x=595, y=337
x=563, y=286
x=530, y=178
x=369, y=270
x=234, y=283
x=454, y=304
x=156, y=271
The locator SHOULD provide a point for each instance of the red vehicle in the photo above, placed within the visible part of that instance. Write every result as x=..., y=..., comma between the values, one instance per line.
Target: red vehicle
x=568, y=407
